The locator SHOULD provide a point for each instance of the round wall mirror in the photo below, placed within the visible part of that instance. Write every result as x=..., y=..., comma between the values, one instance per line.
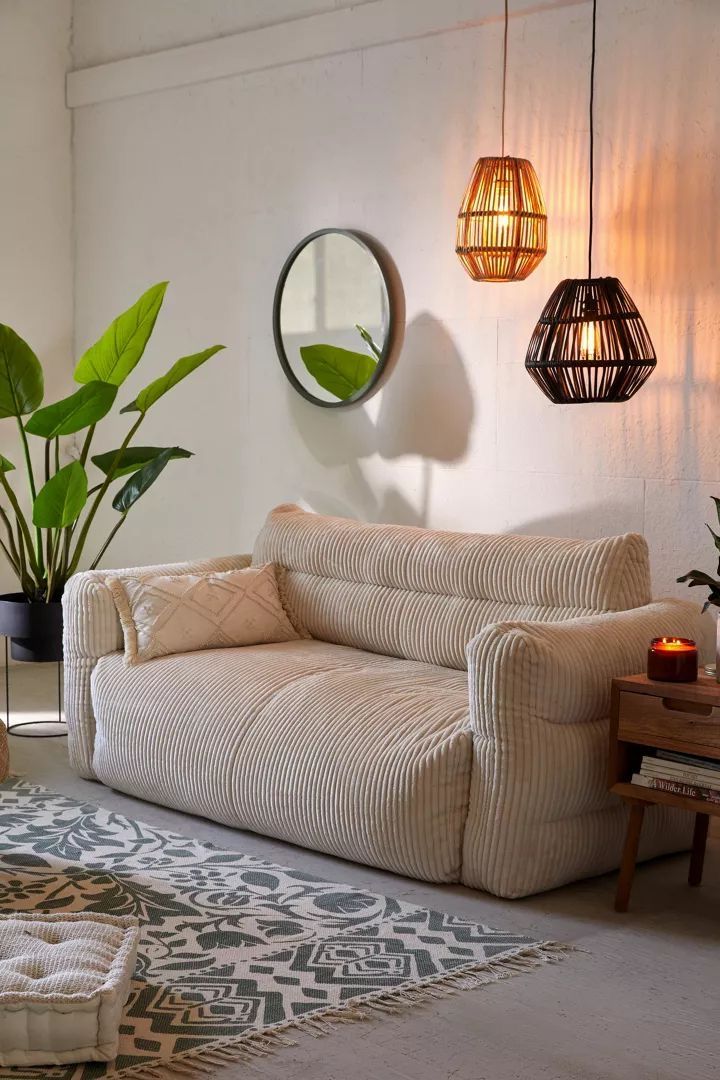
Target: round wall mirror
x=334, y=317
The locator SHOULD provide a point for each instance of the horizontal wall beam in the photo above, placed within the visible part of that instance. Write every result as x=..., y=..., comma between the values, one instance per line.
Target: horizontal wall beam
x=379, y=22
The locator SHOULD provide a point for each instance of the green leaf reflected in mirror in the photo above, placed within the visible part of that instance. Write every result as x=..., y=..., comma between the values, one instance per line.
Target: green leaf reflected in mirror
x=341, y=372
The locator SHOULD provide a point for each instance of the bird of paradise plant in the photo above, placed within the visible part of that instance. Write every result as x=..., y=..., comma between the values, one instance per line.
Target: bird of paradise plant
x=47, y=549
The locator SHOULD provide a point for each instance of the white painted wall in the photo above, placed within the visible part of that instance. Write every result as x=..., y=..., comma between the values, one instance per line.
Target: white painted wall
x=107, y=30
x=35, y=195
x=210, y=185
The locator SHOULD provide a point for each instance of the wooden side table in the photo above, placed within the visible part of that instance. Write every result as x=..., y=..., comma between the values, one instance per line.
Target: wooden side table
x=648, y=715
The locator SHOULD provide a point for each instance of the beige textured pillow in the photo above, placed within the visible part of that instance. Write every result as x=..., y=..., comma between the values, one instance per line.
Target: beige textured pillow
x=178, y=613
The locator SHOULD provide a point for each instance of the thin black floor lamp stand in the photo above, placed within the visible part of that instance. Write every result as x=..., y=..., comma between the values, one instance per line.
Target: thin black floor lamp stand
x=12, y=729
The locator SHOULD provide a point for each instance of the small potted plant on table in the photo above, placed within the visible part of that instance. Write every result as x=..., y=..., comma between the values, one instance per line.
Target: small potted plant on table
x=699, y=577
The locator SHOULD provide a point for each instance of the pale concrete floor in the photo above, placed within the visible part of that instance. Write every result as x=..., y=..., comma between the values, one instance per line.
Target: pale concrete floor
x=639, y=1002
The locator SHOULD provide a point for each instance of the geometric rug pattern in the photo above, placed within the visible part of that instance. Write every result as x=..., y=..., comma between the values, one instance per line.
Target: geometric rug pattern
x=235, y=953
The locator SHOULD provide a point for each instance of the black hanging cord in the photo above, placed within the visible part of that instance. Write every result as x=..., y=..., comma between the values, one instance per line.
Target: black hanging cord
x=592, y=135
x=505, y=43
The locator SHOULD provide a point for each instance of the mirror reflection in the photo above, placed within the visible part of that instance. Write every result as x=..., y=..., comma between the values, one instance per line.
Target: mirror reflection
x=332, y=318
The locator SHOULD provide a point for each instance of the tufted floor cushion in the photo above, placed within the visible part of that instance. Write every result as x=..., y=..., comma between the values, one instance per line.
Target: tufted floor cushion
x=63, y=982
x=363, y=756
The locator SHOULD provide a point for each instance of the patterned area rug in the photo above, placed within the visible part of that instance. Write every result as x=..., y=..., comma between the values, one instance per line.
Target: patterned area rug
x=236, y=953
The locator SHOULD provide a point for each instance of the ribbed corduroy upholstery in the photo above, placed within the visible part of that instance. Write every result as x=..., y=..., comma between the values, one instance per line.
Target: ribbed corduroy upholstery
x=334, y=745
x=540, y=812
x=91, y=629
x=342, y=751
x=422, y=595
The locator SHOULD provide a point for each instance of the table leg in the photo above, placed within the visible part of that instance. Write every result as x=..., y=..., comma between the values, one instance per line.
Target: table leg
x=627, y=866
x=697, y=857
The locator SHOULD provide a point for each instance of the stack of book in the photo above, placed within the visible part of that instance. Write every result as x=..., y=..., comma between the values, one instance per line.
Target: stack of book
x=681, y=774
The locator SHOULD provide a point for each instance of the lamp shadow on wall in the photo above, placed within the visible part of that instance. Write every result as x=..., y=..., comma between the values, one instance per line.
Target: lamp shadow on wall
x=424, y=410
x=590, y=522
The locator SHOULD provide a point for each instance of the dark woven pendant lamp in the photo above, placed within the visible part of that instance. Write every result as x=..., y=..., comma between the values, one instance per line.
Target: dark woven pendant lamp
x=590, y=343
x=502, y=223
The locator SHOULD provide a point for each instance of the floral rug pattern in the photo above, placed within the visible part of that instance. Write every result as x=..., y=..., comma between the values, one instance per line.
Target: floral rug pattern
x=235, y=952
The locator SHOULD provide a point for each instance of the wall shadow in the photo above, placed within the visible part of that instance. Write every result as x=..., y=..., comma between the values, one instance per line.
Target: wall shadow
x=588, y=522
x=427, y=408
x=424, y=410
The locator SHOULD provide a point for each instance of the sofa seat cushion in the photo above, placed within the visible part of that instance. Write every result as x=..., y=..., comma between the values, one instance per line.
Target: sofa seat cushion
x=359, y=755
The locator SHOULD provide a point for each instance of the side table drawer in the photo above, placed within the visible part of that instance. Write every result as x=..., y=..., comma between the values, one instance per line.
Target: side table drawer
x=659, y=720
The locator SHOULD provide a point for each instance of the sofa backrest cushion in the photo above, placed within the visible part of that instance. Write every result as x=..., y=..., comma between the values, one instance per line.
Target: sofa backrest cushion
x=423, y=595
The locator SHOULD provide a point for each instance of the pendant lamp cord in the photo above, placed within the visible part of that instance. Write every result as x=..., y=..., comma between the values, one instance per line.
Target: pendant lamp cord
x=592, y=136
x=505, y=44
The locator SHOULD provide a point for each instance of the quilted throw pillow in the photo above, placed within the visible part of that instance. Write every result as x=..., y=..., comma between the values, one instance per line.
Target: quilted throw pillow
x=185, y=612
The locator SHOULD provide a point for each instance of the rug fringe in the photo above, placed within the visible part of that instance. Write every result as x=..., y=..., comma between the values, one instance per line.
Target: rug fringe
x=251, y=1046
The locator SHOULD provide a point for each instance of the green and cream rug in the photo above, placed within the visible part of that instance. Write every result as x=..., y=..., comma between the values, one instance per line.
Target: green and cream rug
x=236, y=955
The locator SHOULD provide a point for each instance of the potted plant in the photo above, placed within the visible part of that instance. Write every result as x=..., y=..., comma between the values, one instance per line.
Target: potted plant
x=699, y=577
x=46, y=545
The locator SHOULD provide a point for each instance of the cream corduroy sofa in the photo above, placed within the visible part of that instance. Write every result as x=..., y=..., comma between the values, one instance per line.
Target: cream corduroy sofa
x=448, y=720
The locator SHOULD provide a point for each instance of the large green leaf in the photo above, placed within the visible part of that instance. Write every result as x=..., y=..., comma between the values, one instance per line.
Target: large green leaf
x=21, y=376
x=134, y=457
x=179, y=371
x=140, y=481
x=60, y=501
x=339, y=371
x=5, y=465
x=83, y=408
x=115, y=354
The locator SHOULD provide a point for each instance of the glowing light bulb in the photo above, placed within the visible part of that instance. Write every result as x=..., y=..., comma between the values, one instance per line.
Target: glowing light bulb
x=502, y=205
x=589, y=342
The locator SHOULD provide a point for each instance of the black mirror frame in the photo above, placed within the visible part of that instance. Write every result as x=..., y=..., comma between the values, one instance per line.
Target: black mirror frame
x=395, y=309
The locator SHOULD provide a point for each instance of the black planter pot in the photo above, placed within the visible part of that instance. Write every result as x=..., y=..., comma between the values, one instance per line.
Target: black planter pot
x=34, y=628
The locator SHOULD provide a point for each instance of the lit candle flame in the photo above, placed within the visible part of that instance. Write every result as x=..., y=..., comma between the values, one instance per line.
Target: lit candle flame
x=667, y=644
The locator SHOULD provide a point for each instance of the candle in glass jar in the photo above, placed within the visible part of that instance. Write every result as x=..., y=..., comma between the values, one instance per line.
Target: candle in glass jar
x=672, y=659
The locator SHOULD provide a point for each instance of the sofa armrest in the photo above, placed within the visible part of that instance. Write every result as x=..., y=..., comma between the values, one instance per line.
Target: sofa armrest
x=562, y=671
x=540, y=813
x=91, y=629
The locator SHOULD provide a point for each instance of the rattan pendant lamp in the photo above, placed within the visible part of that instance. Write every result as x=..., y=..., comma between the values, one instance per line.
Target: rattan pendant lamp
x=502, y=224
x=590, y=343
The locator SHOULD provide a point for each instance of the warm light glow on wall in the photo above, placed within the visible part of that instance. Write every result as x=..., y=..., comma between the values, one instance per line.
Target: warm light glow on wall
x=590, y=343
